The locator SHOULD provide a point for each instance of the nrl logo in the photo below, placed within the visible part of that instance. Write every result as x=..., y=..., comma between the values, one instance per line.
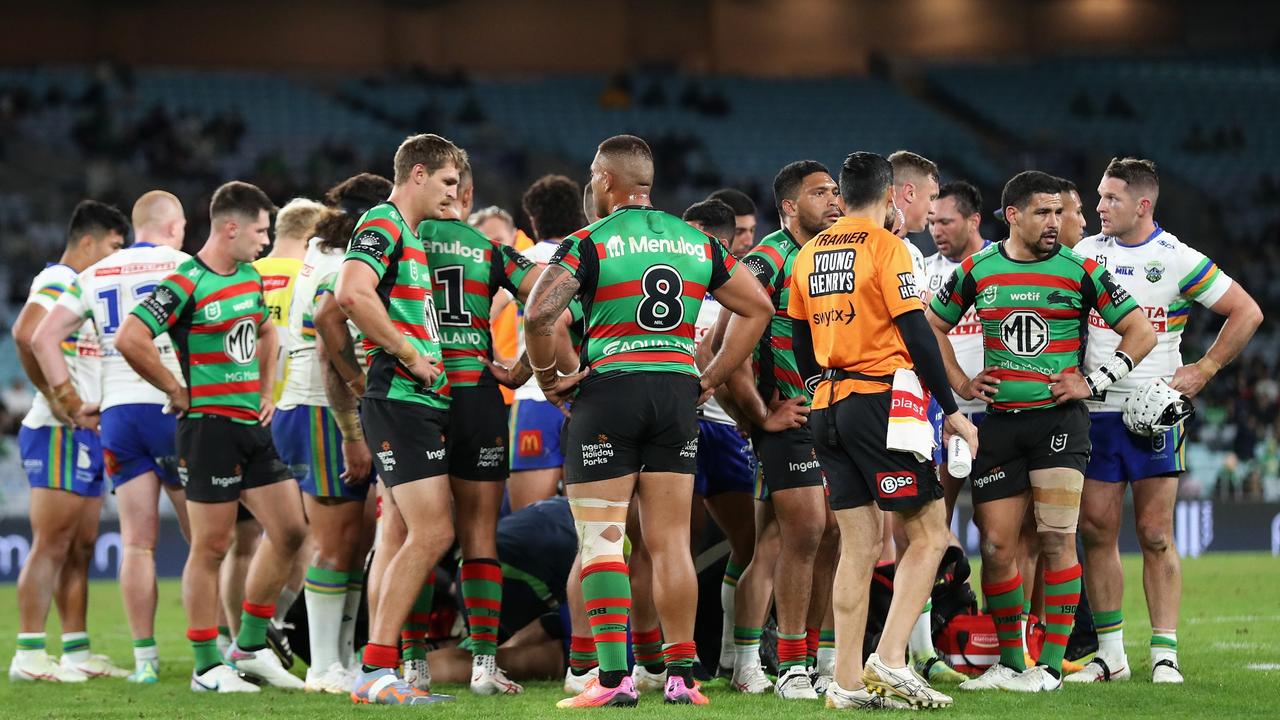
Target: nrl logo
x=1155, y=271
x=990, y=293
x=1058, y=443
x=213, y=311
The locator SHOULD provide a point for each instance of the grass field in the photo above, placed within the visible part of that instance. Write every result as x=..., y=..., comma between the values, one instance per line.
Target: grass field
x=1230, y=620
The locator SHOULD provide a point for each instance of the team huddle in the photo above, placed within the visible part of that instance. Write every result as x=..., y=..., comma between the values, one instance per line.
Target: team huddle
x=332, y=426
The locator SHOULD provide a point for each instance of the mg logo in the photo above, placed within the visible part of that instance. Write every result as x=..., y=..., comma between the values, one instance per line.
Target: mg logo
x=1024, y=333
x=614, y=247
x=241, y=343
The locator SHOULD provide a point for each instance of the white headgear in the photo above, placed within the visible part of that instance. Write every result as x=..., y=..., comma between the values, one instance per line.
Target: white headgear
x=1155, y=408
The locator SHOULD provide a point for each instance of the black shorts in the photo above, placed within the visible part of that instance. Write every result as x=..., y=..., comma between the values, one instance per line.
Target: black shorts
x=787, y=459
x=1012, y=444
x=218, y=458
x=625, y=423
x=477, y=437
x=407, y=440
x=859, y=467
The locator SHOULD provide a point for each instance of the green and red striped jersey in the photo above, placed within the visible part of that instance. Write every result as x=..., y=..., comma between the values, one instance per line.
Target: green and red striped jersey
x=776, y=363
x=1033, y=315
x=390, y=247
x=643, y=276
x=467, y=270
x=213, y=321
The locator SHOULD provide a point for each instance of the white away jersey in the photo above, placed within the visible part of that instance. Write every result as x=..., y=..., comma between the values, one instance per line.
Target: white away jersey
x=966, y=336
x=540, y=253
x=317, y=276
x=1164, y=276
x=707, y=317
x=106, y=293
x=80, y=349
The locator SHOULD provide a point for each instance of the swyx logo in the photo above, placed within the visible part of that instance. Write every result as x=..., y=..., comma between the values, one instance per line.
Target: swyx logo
x=897, y=485
x=834, y=315
x=616, y=247
x=1058, y=442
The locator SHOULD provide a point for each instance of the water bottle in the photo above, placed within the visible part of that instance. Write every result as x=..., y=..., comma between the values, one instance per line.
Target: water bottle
x=959, y=457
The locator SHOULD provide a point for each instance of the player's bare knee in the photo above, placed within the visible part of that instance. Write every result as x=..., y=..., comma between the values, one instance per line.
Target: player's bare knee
x=1153, y=537
x=997, y=552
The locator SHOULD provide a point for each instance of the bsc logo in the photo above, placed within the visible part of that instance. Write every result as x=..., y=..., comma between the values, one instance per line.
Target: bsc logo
x=897, y=485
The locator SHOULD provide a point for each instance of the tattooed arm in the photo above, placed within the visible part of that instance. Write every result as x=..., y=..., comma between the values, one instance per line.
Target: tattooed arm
x=334, y=345
x=547, y=303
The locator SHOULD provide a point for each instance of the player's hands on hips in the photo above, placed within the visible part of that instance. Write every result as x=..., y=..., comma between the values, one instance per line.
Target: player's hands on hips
x=1189, y=380
x=514, y=375
x=559, y=388
x=88, y=416
x=785, y=414
x=1068, y=386
x=358, y=463
x=179, y=401
x=426, y=369
x=957, y=424
x=266, y=409
x=982, y=386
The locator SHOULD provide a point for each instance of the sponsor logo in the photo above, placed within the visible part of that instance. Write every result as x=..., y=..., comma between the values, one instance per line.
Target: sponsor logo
x=811, y=383
x=614, y=347
x=135, y=268
x=990, y=293
x=434, y=454
x=246, y=304
x=160, y=302
x=1029, y=296
x=616, y=247
x=759, y=267
x=529, y=443
x=491, y=455
x=1024, y=333
x=897, y=484
x=241, y=342
x=456, y=247
x=802, y=467
x=110, y=462
x=386, y=457
x=240, y=376
x=597, y=453
x=690, y=449
x=229, y=480
x=996, y=475
x=913, y=406
x=370, y=243
x=182, y=471
x=1154, y=271
x=84, y=460
x=1059, y=298
x=274, y=282
x=907, y=285
x=1058, y=442
x=1125, y=270
x=834, y=315
x=33, y=466
x=832, y=273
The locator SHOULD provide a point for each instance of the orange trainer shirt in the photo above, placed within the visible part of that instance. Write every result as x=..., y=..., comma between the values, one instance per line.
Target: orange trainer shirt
x=849, y=283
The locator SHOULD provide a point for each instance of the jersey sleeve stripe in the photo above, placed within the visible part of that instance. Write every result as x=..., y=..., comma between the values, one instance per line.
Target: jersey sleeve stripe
x=1200, y=279
x=230, y=291
x=388, y=228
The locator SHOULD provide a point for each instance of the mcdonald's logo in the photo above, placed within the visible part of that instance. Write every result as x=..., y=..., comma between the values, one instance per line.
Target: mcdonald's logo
x=530, y=443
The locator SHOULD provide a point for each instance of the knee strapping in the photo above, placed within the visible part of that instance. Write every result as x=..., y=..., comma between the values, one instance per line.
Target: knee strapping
x=598, y=538
x=1057, y=501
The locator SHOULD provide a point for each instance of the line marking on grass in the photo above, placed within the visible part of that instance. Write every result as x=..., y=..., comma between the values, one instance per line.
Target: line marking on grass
x=1232, y=619
x=1237, y=646
x=1263, y=667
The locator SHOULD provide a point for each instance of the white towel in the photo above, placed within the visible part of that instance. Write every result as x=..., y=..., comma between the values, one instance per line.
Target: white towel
x=909, y=428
